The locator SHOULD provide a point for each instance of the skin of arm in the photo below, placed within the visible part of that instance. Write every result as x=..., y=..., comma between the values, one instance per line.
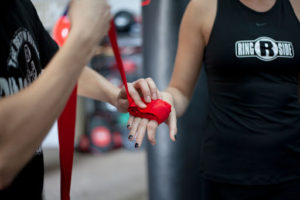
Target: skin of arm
x=192, y=40
x=94, y=86
x=26, y=117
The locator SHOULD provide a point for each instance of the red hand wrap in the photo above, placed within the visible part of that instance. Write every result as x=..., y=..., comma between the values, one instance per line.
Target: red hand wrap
x=158, y=110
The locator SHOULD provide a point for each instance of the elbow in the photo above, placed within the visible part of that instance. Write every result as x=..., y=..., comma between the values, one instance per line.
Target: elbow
x=3, y=184
x=6, y=177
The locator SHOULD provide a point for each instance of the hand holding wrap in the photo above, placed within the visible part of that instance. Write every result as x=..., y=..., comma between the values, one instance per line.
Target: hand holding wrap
x=157, y=110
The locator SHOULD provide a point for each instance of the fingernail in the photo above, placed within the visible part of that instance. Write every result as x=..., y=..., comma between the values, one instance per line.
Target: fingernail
x=154, y=96
x=136, y=145
x=130, y=137
x=144, y=106
x=148, y=99
x=128, y=126
x=175, y=136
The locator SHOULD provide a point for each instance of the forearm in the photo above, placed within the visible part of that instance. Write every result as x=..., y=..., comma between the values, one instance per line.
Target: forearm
x=95, y=86
x=26, y=117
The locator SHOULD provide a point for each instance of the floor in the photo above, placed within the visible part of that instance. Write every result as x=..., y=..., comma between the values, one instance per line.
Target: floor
x=117, y=175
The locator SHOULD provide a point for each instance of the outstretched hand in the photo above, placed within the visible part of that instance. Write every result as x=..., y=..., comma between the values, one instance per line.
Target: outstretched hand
x=139, y=126
x=144, y=91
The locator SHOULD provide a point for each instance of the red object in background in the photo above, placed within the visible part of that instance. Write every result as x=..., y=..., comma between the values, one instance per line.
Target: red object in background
x=146, y=2
x=117, y=138
x=84, y=143
x=66, y=122
x=129, y=66
x=61, y=30
x=101, y=136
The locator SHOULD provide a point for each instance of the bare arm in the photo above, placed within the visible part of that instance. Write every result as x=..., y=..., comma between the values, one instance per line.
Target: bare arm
x=93, y=85
x=189, y=57
x=26, y=117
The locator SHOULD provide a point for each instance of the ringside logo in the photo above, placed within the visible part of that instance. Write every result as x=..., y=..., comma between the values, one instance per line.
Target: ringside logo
x=264, y=48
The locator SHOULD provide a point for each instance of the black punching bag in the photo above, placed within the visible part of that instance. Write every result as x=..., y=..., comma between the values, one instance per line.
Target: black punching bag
x=172, y=167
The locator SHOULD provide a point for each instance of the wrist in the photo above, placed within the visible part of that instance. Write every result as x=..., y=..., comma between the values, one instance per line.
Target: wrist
x=83, y=40
x=169, y=95
x=113, y=97
x=178, y=100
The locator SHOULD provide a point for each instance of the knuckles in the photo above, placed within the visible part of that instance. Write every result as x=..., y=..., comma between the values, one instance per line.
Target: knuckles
x=144, y=123
x=149, y=79
x=141, y=81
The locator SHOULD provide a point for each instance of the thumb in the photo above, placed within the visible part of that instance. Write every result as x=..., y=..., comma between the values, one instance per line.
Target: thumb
x=172, y=123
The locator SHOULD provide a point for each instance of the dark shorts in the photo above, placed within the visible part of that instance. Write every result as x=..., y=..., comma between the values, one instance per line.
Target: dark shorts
x=211, y=190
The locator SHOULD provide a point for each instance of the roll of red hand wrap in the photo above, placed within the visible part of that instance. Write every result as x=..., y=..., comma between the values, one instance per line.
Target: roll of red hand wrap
x=157, y=110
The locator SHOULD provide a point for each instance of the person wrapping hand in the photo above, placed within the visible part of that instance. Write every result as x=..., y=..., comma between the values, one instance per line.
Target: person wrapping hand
x=36, y=79
x=156, y=111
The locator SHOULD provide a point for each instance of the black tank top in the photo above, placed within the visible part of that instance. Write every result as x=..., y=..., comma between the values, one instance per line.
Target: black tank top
x=252, y=62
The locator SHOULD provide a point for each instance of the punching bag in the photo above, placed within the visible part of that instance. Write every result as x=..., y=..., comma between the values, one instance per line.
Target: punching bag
x=172, y=167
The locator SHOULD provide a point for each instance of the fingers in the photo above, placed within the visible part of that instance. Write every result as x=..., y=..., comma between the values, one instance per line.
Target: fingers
x=172, y=120
x=151, y=130
x=159, y=94
x=136, y=96
x=172, y=123
x=153, y=88
x=141, y=131
x=133, y=128
x=147, y=88
x=143, y=86
x=138, y=128
x=130, y=121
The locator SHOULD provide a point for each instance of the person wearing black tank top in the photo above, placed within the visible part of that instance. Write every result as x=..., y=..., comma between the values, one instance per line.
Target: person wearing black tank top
x=251, y=53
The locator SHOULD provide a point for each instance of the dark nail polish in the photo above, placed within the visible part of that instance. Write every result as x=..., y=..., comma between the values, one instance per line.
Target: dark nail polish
x=136, y=145
x=128, y=125
x=130, y=137
x=175, y=136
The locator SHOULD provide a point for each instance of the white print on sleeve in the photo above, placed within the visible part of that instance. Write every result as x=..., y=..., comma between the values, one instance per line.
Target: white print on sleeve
x=22, y=46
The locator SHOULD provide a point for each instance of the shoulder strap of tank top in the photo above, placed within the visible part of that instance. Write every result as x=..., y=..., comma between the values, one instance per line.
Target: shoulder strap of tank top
x=289, y=10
